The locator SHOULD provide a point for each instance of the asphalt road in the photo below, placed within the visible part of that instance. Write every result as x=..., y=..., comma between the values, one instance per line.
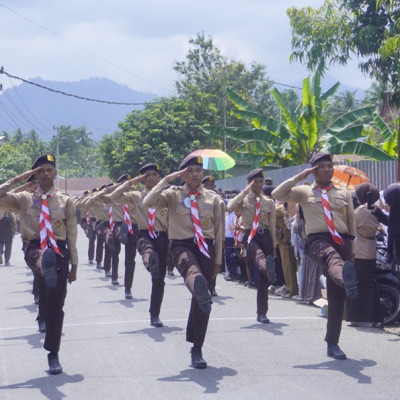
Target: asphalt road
x=110, y=351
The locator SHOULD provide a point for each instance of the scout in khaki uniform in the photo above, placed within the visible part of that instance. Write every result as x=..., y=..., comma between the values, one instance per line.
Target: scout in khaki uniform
x=88, y=224
x=49, y=233
x=196, y=233
x=258, y=218
x=152, y=239
x=330, y=229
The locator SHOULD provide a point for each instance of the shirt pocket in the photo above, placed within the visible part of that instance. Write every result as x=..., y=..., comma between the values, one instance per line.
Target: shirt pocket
x=339, y=204
x=314, y=204
x=206, y=217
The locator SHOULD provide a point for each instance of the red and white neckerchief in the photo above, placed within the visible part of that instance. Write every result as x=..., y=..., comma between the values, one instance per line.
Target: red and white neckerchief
x=328, y=215
x=127, y=218
x=151, y=214
x=256, y=220
x=198, y=233
x=110, y=218
x=45, y=227
x=87, y=217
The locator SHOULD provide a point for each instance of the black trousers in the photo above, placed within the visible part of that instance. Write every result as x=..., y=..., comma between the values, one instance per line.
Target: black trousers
x=130, y=255
x=100, y=241
x=260, y=246
x=51, y=301
x=330, y=256
x=146, y=245
x=190, y=263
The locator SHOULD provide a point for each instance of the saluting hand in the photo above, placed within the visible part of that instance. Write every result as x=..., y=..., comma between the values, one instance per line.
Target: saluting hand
x=178, y=174
x=303, y=175
x=134, y=181
x=24, y=176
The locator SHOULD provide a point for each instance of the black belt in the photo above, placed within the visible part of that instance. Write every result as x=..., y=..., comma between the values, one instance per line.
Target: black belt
x=193, y=240
x=261, y=231
x=62, y=244
x=343, y=235
x=158, y=233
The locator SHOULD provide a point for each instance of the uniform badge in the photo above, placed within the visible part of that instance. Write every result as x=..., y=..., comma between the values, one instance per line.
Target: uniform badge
x=341, y=210
x=186, y=202
x=58, y=223
x=206, y=223
x=161, y=213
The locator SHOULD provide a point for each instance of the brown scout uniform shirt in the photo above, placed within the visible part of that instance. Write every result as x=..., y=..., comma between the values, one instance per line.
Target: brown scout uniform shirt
x=28, y=205
x=180, y=225
x=246, y=202
x=309, y=197
x=134, y=200
x=366, y=227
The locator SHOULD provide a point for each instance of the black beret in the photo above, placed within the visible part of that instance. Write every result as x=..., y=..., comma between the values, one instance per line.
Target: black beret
x=100, y=188
x=208, y=178
x=123, y=178
x=44, y=159
x=86, y=192
x=255, y=173
x=149, y=167
x=109, y=185
x=191, y=160
x=320, y=157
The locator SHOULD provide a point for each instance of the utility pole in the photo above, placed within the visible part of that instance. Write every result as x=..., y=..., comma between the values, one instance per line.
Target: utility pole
x=224, y=111
x=57, y=137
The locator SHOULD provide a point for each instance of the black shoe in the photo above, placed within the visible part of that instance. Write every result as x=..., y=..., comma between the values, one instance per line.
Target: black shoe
x=271, y=272
x=42, y=326
x=36, y=299
x=128, y=294
x=170, y=273
x=54, y=364
x=262, y=318
x=123, y=231
x=350, y=280
x=107, y=274
x=91, y=262
x=7, y=264
x=49, y=267
x=154, y=265
x=98, y=265
x=202, y=295
x=197, y=358
x=155, y=321
x=111, y=244
x=214, y=293
x=335, y=352
x=115, y=282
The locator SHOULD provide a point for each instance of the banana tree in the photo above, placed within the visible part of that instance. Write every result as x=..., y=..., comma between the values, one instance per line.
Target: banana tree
x=297, y=134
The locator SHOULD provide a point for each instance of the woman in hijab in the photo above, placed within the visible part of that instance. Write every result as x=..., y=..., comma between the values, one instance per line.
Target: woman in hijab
x=366, y=309
x=392, y=198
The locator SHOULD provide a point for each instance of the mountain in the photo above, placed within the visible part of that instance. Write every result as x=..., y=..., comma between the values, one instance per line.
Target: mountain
x=31, y=107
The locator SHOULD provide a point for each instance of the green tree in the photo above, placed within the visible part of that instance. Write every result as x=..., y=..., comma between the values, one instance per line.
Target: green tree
x=300, y=132
x=164, y=132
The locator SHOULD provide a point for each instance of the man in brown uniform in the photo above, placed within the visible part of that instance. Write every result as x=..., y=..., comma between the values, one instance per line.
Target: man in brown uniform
x=260, y=228
x=52, y=262
x=196, y=234
x=330, y=229
x=152, y=239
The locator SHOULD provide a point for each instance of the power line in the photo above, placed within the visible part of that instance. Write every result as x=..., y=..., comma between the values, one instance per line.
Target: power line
x=82, y=48
x=68, y=94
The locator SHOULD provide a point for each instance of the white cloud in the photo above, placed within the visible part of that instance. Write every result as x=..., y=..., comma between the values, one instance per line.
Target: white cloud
x=137, y=42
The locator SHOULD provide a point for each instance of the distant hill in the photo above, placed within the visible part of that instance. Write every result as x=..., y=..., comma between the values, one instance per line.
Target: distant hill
x=30, y=107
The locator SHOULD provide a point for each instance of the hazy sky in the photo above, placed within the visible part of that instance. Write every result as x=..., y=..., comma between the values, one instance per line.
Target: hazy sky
x=137, y=42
